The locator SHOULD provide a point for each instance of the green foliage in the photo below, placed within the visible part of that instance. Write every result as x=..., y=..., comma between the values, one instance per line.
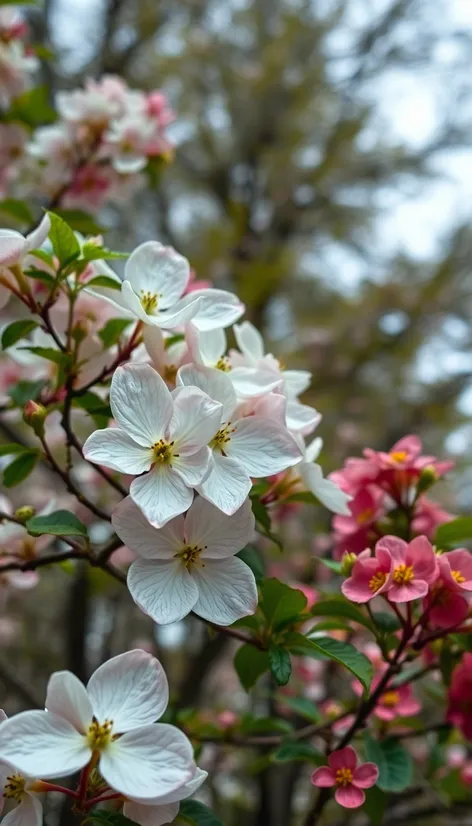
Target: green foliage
x=18, y=210
x=394, y=763
x=341, y=607
x=385, y=622
x=21, y=467
x=280, y=604
x=104, y=281
x=80, y=221
x=263, y=520
x=250, y=663
x=341, y=652
x=290, y=752
x=280, y=664
x=302, y=706
x=64, y=242
x=17, y=330
x=92, y=252
x=107, y=818
x=111, y=333
x=11, y=448
x=49, y=353
x=454, y=533
x=58, y=523
x=197, y=814
x=25, y=391
x=33, y=108
x=97, y=409
x=375, y=805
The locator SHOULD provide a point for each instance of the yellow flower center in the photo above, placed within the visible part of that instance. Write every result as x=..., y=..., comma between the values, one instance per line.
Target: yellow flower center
x=404, y=574
x=390, y=699
x=149, y=302
x=163, y=452
x=99, y=735
x=364, y=516
x=222, y=437
x=377, y=581
x=223, y=364
x=190, y=555
x=170, y=372
x=14, y=788
x=398, y=455
x=343, y=777
x=458, y=576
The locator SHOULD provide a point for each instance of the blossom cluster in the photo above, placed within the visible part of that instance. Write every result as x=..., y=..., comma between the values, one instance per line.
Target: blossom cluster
x=17, y=59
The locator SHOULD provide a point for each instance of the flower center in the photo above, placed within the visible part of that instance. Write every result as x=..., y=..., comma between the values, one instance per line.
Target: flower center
x=377, y=581
x=398, y=455
x=222, y=437
x=163, y=452
x=364, y=516
x=14, y=788
x=149, y=302
x=99, y=735
x=458, y=576
x=404, y=574
x=190, y=555
x=343, y=777
x=390, y=699
x=170, y=372
x=223, y=364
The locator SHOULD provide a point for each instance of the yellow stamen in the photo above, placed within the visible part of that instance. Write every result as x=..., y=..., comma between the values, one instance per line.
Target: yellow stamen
x=458, y=576
x=163, y=451
x=190, y=555
x=222, y=437
x=223, y=364
x=99, y=735
x=398, y=455
x=390, y=699
x=149, y=302
x=364, y=516
x=403, y=574
x=377, y=581
x=14, y=788
x=343, y=777
x=170, y=372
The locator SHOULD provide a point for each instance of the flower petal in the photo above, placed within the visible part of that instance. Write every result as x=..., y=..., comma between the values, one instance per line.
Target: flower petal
x=161, y=494
x=325, y=490
x=190, y=787
x=221, y=535
x=323, y=777
x=141, y=403
x=193, y=468
x=227, y=485
x=180, y=314
x=135, y=531
x=250, y=381
x=349, y=796
x=12, y=247
x=66, y=696
x=226, y=590
x=213, y=382
x=195, y=419
x=262, y=447
x=366, y=775
x=130, y=689
x=38, y=236
x=345, y=758
x=295, y=382
x=148, y=762
x=158, y=270
x=163, y=590
x=218, y=308
x=42, y=744
x=28, y=813
x=249, y=341
x=206, y=348
x=152, y=815
x=133, y=304
x=301, y=418
x=114, y=449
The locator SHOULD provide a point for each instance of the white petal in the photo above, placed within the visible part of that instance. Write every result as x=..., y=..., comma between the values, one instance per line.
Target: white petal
x=190, y=787
x=250, y=381
x=28, y=813
x=325, y=490
x=249, y=341
x=313, y=450
x=127, y=164
x=135, y=531
x=39, y=234
x=133, y=304
x=211, y=381
x=163, y=590
x=155, y=345
x=181, y=313
x=296, y=381
x=193, y=468
x=226, y=590
x=195, y=420
x=130, y=689
x=114, y=449
x=67, y=697
x=12, y=247
x=262, y=446
x=221, y=535
x=148, y=762
x=227, y=485
x=42, y=744
x=158, y=270
x=301, y=417
x=218, y=308
x=161, y=494
x=141, y=403
x=206, y=348
x=150, y=815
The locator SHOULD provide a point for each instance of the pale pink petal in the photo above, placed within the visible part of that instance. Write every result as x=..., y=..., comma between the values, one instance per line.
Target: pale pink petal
x=461, y=560
x=345, y=758
x=161, y=494
x=135, y=531
x=213, y=382
x=249, y=341
x=38, y=236
x=365, y=776
x=407, y=592
x=219, y=534
x=28, y=813
x=141, y=403
x=421, y=555
x=192, y=468
x=349, y=796
x=41, y=744
x=158, y=270
x=226, y=590
x=117, y=451
x=262, y=447
x=151, y=815
x=324, y=777
x=195, y=419
x=12, y=247
x=163, y=590
x=227, y=485
x=67, y=697
x=395, y=546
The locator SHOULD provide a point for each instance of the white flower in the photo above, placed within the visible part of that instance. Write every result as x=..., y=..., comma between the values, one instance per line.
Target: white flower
x=112, y=720
x=190, y=564
x=255, y=446
x=251, y=344
x=163, y=809
x=152, y=291
x=163, y=433
x=15, y=787
x=166, y=358
x=14, y=246
x=325, y=490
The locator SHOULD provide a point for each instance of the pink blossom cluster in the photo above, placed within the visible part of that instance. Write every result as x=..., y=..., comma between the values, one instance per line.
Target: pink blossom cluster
x=383, y=484
x=17, y=60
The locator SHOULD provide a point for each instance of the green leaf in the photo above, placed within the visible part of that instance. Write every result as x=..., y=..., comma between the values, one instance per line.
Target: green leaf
x=97, y=409
x=301, y=706
x=63, y=240
x=254, y=560
x=20, y=468
x=92, y=252
x=113, y=330
x=33, y=107
x=341, y=607
x=281, y=604
x=263, y=521
x=331, y=564
x=80, y=221
x=17, y=330
x=290, y=752
x=107, y=818
x=18, y=210
x=264, y=725
x=303, y=496
x=25, y=391
x=375, y=805
x=197, y=814
x=394, y=762
x=59, y=523
x=280, y=664
x=104, y=281
x=250, y=663
x=11, y=448
x=341, y=652
x=454, y=533
x=49, y=353
x=43, y=277
x=385, y=622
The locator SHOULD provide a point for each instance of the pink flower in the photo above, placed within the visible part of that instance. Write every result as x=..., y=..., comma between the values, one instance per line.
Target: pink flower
x=445, y=604
x=459, y=711
x=397, y=702
x=428, y=517
x=414, y=567
x=349, y=778
x=466, y=774
x=370, y=575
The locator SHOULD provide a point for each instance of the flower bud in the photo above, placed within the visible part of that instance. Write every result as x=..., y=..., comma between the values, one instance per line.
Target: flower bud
x=34, y=415
x=427, y=479
x=347, y=563
x=25, y=512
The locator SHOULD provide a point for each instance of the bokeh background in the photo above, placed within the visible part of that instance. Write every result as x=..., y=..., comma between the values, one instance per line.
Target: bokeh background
x=323, y=171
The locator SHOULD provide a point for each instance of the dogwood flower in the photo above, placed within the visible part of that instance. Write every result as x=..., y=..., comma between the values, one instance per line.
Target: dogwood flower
x=14, y=246
x=112, y=722
x=190, y=564
x=153, y=289
x=252, y=356
x=163, y=809
x=349, y=778
x=161, y=435
x=328, y=493
x=17, y=788
x=240, y=447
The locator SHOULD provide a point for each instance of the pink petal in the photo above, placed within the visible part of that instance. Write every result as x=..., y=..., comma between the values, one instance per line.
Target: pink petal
x=420, y=554
x=406, y=593
x=396, y=547
x=461, y=560
x=452, y=611
x=343, y=759
x=349, y=796
x=365, y=776
x=323, y=777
